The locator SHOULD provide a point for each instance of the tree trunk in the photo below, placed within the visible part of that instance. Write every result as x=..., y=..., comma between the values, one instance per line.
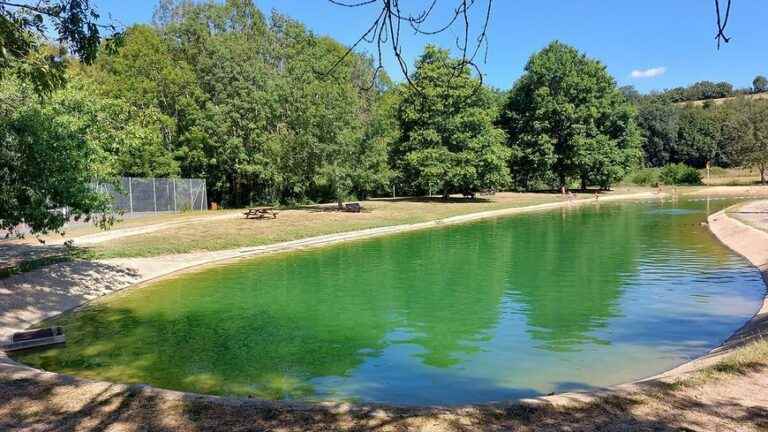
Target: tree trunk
x=762, y=175
x=583, y=184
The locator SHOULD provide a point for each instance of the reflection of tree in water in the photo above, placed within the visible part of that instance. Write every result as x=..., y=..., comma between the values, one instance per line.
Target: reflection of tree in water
x=447, y=315
x=686, y=232
x=569, y=270
x=229, y=341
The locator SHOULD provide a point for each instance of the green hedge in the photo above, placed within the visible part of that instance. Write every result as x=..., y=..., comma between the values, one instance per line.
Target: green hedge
x=680, y=174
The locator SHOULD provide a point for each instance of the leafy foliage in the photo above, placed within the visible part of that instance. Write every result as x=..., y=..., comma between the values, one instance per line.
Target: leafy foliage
x=25, y=29
x=745, y=128
x=645, y=177
x=680, y=174
x=566, y=119
x=448, y=142
x=760, y=84
x=46, y=165
x=659, y=122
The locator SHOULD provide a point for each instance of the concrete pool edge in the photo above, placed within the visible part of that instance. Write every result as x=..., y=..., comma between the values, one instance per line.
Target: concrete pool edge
x=728, y=230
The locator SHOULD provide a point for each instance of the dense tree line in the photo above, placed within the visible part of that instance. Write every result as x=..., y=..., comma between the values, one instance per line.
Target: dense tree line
x=731, y=134
x=703, y=90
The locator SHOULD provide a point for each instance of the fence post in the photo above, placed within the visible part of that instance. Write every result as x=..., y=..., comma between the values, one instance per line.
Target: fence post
x=130, y=193
x=154, y=195
x=204, y=204
x=191, y=196
x=174, y=196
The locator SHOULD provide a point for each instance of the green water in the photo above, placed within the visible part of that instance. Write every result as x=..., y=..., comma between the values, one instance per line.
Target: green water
x=513, y=307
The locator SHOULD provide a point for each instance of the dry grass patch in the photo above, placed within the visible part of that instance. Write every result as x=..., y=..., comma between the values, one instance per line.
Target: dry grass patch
x=305, y=222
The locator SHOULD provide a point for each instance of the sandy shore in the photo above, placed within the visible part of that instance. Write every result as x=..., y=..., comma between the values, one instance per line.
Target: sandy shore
x=36, y=400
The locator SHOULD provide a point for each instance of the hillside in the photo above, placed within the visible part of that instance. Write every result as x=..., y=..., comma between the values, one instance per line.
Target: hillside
x=723, y=100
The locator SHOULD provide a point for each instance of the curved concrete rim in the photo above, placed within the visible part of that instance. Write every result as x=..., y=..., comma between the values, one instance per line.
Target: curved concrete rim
x=751, y=243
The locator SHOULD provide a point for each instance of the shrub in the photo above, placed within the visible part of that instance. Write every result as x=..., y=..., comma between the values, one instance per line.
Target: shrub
x=645, y=177
x=680, y=174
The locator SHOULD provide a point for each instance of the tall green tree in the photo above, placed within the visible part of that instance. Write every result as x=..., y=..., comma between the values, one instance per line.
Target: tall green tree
x=760, y=84
x=698, y=137
x=566, y=118
x=448, y=141
x=745, y=128
x=658, y=121
x=46, y=165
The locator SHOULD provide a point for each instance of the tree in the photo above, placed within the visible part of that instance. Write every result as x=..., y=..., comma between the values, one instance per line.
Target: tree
x=448, y=142
x=747, y=132
x=127, y=141
x=760, y=84
x=756, y=155
x=565, y=117
x=254, y=107
x=46, y=166
x=25, y=29
x=659, y=121
x=697, y=137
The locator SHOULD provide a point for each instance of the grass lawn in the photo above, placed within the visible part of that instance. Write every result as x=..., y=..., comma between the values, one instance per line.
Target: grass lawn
x=294, y=224
x=731, y=176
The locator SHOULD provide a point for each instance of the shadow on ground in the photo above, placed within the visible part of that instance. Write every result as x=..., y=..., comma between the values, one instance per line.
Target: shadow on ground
x=33, y=400
x=28, y=298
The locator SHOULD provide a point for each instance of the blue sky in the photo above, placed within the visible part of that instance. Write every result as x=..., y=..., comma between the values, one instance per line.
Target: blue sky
x=671, y=42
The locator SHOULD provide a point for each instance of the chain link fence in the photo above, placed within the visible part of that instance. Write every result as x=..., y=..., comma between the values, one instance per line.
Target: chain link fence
x=135, y=196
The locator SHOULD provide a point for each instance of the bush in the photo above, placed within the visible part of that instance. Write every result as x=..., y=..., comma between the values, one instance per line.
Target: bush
x=645, y=177
x=680, y=174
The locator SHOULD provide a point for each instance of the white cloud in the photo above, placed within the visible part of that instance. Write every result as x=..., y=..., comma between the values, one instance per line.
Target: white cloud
x=649, y=73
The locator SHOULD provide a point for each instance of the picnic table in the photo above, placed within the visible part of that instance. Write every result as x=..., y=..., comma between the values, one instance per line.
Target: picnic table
x=260, y=213
x=353, y=207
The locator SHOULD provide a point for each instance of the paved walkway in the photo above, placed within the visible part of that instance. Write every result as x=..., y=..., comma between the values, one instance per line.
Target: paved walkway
x=753, y=213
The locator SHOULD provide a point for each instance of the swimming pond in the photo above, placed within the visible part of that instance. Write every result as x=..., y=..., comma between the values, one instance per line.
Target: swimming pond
x=513, y=307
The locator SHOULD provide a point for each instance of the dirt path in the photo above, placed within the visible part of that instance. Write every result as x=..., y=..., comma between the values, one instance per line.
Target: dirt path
x=753, y=213
x=33, y=400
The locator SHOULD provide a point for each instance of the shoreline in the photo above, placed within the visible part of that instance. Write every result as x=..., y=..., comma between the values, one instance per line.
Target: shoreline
x=734, y=234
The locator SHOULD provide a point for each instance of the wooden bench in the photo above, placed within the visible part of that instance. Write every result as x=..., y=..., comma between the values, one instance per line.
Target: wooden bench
x=36, y=338
x=260, y=213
